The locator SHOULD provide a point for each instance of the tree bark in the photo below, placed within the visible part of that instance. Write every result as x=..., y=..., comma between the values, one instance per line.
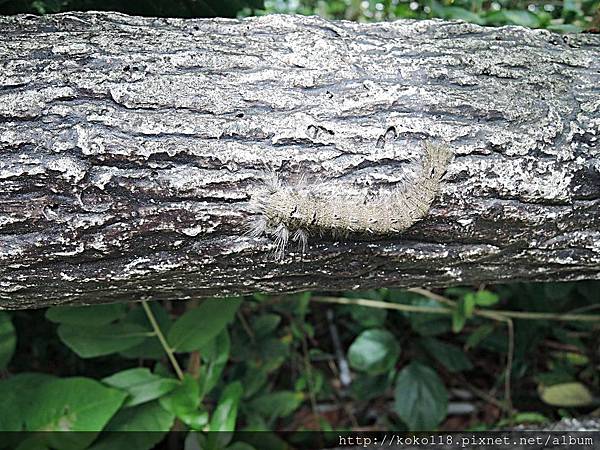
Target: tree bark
x=131, y=148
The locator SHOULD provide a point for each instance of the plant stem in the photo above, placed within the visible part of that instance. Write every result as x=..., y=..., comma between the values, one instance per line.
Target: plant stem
x=513, y=314
x=382, y=305
x=162, y=339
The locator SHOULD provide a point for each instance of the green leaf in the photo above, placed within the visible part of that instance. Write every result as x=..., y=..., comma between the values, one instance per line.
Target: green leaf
x=141, y=385
x=486, y=298
x=91, y=315
x=18, y=394
x=458, y=318
x=89, y=342
x=8, y=339
x=215, y=355
x=73, y=404
x=67, y=404
x=467, y=305
x=198, y=326
x=374, y=351
x=566, y=394
x=223, y=418
x=276, y=404
x=450, y=356
x=421, y=400
x=137, y=428
x=184, y=402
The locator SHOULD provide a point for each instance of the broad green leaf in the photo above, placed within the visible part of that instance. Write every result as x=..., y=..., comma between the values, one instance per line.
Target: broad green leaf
x=141, y=385
x=73, y=404
x=91, y=315
x=374, y=351
x=224, y=416
x=276, y=404
x=184, y=397
x=421, y=400
x=215, y=356
x=458, y=318
x=184, y=402
x=150, y=348
x=18, y=394
x=68, y=404
x=566, y=394
x=89, y=342
x=486, y=298
x=137, y=428
x=198, y=326
x=450, y=356
x=8, y=339
x=467, y=305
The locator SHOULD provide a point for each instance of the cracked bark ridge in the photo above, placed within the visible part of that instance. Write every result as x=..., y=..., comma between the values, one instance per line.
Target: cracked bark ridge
x=130, y=149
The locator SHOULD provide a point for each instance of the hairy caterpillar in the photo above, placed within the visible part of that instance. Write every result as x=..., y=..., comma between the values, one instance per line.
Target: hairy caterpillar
x=293, y=211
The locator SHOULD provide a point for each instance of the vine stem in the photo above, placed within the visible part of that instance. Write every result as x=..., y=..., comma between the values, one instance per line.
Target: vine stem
x=162, y=339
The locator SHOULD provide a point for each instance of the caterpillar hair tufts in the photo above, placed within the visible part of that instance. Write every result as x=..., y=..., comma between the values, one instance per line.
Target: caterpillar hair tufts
x=293, y=211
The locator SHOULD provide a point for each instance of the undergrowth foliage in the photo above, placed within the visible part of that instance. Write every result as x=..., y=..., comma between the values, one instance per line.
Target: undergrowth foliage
x=299, y=362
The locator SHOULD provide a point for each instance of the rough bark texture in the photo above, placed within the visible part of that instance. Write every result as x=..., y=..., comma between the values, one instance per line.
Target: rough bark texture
x=130, y=148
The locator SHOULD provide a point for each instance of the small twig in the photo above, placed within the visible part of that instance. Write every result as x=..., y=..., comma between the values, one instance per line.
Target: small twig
x=163, y=341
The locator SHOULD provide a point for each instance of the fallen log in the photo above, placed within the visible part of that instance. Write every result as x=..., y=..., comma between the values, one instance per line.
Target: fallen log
x=134, y=152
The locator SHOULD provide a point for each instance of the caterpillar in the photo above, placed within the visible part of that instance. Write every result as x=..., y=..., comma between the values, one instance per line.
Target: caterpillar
x=293, y=211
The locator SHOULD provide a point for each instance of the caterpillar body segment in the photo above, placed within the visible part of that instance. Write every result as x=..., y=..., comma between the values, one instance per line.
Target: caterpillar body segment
x=294, y=211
